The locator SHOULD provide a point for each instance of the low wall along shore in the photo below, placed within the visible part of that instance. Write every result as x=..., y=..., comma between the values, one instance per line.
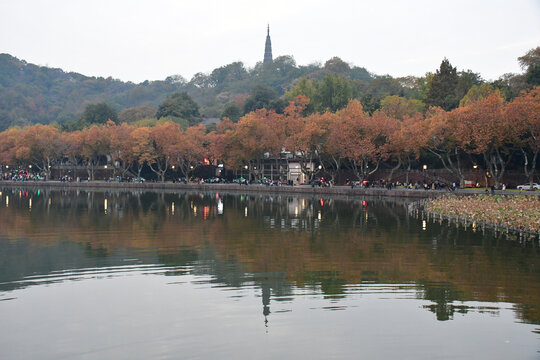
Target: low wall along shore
x=303, y=189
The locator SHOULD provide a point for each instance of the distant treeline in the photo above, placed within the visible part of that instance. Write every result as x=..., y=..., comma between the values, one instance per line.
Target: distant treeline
x=486, y=132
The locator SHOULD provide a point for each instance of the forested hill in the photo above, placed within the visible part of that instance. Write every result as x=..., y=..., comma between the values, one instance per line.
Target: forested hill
x=37, y=94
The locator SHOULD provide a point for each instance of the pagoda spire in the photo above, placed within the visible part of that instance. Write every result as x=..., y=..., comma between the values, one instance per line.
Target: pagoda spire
x=268, y=47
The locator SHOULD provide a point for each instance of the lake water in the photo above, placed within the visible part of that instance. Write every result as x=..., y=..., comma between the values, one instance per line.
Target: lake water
x=175, y=275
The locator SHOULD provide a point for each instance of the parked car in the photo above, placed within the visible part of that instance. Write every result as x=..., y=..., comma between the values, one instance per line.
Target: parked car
x=535, y=186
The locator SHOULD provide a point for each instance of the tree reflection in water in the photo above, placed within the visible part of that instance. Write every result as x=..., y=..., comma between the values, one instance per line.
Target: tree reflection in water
x=279, y=244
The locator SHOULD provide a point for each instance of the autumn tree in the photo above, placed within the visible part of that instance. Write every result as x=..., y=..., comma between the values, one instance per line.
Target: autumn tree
x=329, y=146
x=141, y=150
x=523, y=114
x=73, y=142
x=94, y=146
x=162, y=139
x=413, y=137
x=445, y=140
x=221, y=147
x=121, y=145
x=488, y=133
x=364, y=139
x=8, y=145
x=43, y=147
x=302, y=135
x=188, y=149
x=251, y=140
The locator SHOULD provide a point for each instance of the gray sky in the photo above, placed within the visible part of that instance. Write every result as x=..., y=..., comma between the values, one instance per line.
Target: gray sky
x=150, y=40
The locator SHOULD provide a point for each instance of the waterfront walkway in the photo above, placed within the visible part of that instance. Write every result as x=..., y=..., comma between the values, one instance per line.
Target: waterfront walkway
x=300, y=189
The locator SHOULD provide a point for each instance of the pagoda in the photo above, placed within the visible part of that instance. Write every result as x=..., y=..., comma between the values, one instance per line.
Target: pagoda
x=268, y=48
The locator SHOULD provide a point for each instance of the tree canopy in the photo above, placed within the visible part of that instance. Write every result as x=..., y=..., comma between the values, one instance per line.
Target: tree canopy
x=179, y=106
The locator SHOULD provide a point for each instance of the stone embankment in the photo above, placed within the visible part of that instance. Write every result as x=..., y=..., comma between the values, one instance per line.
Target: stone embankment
x=302, y=189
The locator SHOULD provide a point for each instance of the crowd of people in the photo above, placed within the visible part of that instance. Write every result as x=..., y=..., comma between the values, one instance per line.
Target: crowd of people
x=21, y=175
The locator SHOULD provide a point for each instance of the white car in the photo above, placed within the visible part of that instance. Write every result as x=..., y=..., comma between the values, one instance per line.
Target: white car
x=535, y=186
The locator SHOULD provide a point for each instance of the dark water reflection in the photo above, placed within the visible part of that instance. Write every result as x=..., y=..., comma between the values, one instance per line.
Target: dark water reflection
x=152, y=274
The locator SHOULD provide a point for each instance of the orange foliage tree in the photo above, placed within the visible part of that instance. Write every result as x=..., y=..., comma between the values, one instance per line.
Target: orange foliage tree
x=487, y=132
x=406, y=139
x=302, y=135
x=95, y=146
x=364, y=139
x=141, y=149
x=187, y=150
x=121, y=145
x=251, y=140
x=163, y=138
x=524, y=116
x=447, y=141
x=43, y=145
x=221, y=147
x=8, y=146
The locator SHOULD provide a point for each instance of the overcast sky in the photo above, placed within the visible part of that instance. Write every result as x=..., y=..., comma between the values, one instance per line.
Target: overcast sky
x=150, y=40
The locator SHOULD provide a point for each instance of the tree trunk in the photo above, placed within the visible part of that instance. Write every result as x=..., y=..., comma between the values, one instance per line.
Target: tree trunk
x=529, y=173
x=408, y=170
x=453, y=166
x=161, y=169
x=394, y=169
x=496, y=165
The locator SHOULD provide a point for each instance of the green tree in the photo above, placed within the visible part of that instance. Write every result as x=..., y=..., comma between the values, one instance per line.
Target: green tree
x=530, y=62
x=477, y=93
x=530, y=59
x=228, y=73
x=231, y=111
x=337, y=66
x=442, y=90
x=466, y=80
x=333, y=93
x=137, y=113
x=533, y=75
x=99, y=114
x=260, y=97
x=399, y=107
x=94, y=114
x=180, y=106
x=370, y=103
x=303, y=87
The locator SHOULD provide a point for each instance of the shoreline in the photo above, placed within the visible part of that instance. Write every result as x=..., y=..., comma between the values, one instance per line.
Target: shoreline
x=285, y=189
x=420, y=199
x=256, y=188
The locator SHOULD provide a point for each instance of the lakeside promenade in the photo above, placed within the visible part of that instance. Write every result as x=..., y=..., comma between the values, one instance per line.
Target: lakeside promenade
x=284, y=189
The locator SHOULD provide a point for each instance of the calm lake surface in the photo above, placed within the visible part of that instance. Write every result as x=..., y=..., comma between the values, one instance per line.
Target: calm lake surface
x=176, y=275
